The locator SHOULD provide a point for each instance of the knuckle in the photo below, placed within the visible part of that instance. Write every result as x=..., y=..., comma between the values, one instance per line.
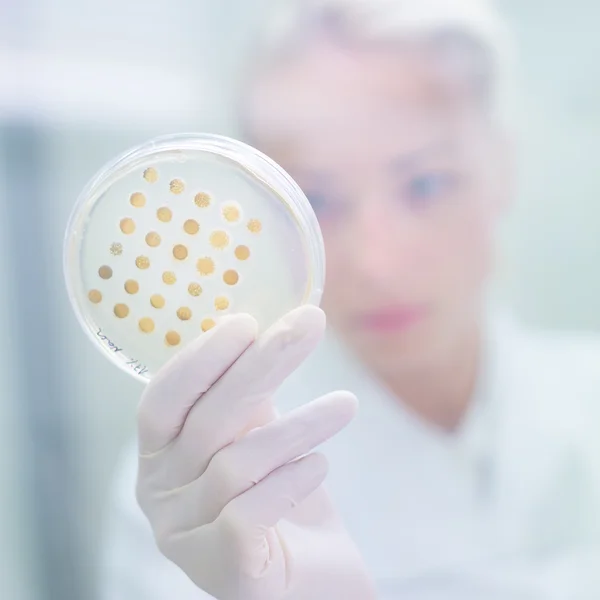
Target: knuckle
x=231, y=522
x=163, y=531
x=146, y=418
x=230, y=470
x=152, y=417
x=298, y=431
x=289, y=501
x=161, y=511
x=305, y=426
x=164, y=544
x=140, y=495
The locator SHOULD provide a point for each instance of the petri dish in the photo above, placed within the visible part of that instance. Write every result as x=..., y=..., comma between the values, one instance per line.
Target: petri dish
x=180, y=231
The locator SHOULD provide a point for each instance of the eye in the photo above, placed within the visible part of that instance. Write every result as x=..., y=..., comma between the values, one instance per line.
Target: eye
x=429, y=187
x=327, y=206
x=317, y=201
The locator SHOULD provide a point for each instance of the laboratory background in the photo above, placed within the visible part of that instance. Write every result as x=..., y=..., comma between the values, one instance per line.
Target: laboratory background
x=82, y=81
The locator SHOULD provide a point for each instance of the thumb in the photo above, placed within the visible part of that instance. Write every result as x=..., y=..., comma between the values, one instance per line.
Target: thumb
x=249, y=517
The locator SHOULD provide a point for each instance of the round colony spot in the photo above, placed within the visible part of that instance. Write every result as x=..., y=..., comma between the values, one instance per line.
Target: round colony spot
x=254, y=226
x=184, y=313
x=169, y=277
x=219, y=239
x=221, y=303
x=172, y=338
x=231, y=277
x=202, y=200
x=116, y=249
x=121, y=310
x=205, y=266
x=151, y=175
x=153, y=239
x=231, y=213
x=242, y=252
x=146, y=325
x=207, y=324
x=180, y=252
x=176, y=186
x=164, y=214
x=142, y=262
x=191, y=227
x=95, y=296
x=194, y=289
x=132, y=286
x=105, y=272
x=127, y=226
x=157, y=301
x=137, y=199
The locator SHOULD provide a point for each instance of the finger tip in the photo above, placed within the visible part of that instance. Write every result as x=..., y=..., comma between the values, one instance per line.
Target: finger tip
x=306, y=321
x=318, y=463
x=348, y=402
x=242, y=324
x=240, y=330
x=311, y=313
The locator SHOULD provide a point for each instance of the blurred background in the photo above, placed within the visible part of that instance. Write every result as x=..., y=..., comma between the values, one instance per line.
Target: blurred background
x=81, y=81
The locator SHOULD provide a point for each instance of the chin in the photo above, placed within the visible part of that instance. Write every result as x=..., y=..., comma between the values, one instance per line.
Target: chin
x=395, y=355
x=393, y=351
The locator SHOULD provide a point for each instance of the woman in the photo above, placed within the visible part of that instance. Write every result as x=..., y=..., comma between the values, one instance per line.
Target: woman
x=471, y=470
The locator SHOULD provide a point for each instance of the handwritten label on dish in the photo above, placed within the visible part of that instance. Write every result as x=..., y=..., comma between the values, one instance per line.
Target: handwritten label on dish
x=134, y=364
x=137, y=366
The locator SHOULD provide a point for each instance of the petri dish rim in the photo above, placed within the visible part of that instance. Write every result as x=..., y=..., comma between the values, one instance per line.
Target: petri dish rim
x=264, y=169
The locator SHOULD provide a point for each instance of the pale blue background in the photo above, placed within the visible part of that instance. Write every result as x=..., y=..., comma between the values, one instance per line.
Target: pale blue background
x=81, y=81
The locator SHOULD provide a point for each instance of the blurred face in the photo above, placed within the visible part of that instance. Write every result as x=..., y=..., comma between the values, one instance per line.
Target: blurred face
x=406, y=177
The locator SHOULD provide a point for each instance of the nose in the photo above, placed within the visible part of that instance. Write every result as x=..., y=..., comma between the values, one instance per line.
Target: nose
x=375, y=244
x=389, y=245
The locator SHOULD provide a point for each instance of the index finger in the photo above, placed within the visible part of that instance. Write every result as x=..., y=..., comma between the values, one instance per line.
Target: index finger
x=175, y=389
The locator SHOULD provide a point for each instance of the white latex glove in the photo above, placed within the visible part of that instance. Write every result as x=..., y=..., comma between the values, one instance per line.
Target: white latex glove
x=230, y=489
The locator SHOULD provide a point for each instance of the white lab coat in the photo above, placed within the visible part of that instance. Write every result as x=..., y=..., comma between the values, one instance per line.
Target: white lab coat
x=507, y=508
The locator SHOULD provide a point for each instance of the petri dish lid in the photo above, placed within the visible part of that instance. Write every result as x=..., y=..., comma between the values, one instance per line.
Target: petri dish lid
x=182, y=230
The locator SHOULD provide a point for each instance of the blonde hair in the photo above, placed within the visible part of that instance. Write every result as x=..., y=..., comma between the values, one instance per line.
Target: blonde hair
x=470, y=34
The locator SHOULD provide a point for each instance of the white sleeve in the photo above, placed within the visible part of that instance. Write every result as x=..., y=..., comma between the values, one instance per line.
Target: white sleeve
x=132, y=567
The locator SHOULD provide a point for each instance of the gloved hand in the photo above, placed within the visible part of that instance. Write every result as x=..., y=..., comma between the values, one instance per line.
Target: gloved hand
x=231, y=490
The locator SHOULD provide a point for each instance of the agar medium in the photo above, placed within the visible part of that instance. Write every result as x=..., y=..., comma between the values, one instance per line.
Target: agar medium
x=179, y=231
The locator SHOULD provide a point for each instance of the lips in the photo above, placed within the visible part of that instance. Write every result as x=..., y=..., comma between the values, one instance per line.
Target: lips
x=392, y=319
